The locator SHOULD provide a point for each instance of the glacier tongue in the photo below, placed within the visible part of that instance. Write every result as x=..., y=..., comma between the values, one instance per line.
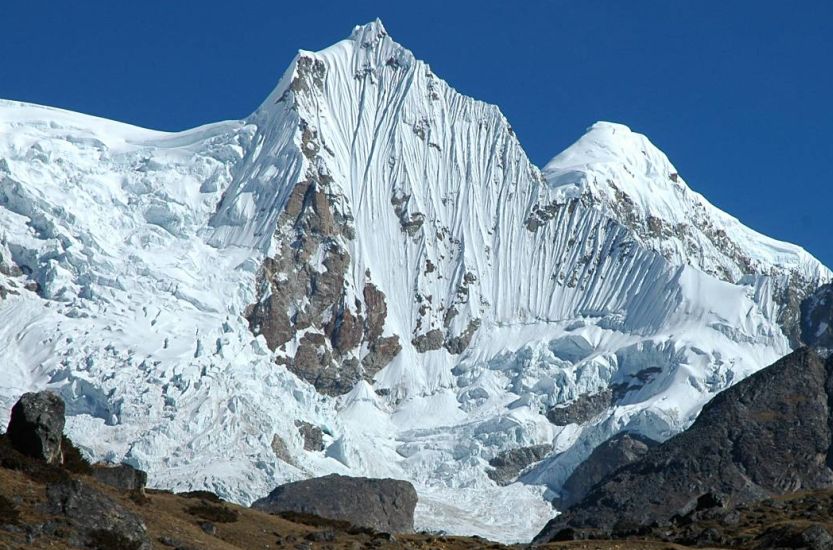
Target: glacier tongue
x=371, y=253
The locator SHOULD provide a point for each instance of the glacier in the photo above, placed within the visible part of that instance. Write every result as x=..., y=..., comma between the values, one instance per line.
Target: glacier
x=373, y=253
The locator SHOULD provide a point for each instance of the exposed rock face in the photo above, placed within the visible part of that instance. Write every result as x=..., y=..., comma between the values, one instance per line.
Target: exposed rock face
x=315, y=362
x=768, y=435
x=302, y=286
x=431, y=340
x=508, y=464
x=381, y=349
x=817, y=318
x=313, y=436
x=281, y=450
x=36, y=426
x=458, y=344
x=377, y=311
x=620, y=450
x=295, y=294
x=100, y=522
x=582, y=409
x=791, y=295
x=385, y=505
x=341, y=345
x=121, y=476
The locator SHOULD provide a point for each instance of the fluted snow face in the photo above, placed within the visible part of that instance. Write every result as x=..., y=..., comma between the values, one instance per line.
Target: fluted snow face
x=603, y=273
x=635, y=182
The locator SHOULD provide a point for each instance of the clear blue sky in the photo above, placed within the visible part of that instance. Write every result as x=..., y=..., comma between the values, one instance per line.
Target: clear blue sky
x=737, y=93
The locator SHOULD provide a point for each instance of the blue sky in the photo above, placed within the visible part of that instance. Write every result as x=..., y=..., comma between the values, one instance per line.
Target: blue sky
x=738, y=94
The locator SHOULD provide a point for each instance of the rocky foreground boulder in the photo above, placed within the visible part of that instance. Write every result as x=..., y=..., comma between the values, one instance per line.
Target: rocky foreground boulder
x=37, y=425
x=93, y=519
x=768, y=435
x=385, y=505
x=80, y=514
x=121, y=476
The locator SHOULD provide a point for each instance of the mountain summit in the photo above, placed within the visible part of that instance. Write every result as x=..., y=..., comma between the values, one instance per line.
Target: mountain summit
x=368, y=276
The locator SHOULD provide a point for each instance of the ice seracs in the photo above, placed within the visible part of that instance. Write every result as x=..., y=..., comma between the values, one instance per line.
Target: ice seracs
x=373, y=254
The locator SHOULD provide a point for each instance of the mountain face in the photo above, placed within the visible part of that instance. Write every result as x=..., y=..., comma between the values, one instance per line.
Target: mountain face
x=368, y=276
x=768, y=435
x=817, y=318
x=618, y=451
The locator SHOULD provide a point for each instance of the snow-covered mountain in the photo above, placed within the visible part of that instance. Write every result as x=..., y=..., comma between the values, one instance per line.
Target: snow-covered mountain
x=372, y=258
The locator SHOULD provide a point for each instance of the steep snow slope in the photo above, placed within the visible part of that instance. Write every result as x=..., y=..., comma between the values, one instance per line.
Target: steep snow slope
x=371, y=253
x=631, y=180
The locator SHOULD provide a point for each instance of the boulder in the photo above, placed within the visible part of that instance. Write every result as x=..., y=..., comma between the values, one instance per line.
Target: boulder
x=96, y=520
x=36, y=426
x=385, y=505
x=121, y=476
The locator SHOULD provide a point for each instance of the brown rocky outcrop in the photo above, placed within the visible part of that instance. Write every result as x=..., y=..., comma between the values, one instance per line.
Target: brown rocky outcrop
x=313, y=435
x=295, y=294
x=581, y=409
x=508, y=464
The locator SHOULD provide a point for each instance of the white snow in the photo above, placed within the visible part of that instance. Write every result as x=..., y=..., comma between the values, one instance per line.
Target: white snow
x=145, y=246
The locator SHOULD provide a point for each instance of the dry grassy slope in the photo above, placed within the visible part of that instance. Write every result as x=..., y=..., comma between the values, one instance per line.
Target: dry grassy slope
x=175, y=521
x=168, y=518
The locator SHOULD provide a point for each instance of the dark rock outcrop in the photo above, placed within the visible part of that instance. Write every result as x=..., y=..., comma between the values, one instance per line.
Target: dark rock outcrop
x=458, y=344
x=377, y=311
x=36, y=426
x=508, y=464
x=381, y=349
x=313, y=436
x=817, y=318
x=431, y=340
x=385, y=505
x=618, y=451
x=95, y=520
x=121, y=476
x=768, y=435
x=814, y=537
x=582, y=409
